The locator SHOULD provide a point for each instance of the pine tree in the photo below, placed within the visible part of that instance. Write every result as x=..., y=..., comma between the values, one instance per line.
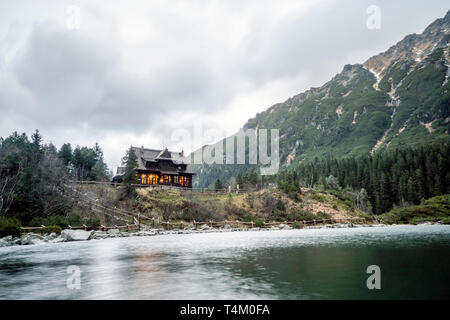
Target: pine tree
x=239, y=180
x=413, y=197
x=36, y=139
x=99, y=171
x=362, y=200
x=65, y=153
x=218, y=185
x=129, y=161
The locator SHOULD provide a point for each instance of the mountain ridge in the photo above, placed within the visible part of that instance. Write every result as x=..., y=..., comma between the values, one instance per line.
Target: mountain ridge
x=396, y=98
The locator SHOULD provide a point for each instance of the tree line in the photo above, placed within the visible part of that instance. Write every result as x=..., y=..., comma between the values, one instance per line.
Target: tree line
x=33, y=175
x=387, y=179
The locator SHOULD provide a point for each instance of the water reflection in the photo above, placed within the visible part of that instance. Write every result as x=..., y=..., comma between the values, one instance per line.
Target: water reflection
x=300, y=264
x=104, y=275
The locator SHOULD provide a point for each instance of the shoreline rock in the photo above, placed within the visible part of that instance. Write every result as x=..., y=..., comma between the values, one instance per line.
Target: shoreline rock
x=76, y=235
x=68, y=235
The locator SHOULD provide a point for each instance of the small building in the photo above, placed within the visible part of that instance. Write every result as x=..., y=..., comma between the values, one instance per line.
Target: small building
x=160, y=167
x=119, y=175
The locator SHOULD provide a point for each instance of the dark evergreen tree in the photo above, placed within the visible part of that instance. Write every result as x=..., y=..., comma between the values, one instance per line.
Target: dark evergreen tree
x=218, y=185
x=392, y=177
x=65, y=153
x=129, y=161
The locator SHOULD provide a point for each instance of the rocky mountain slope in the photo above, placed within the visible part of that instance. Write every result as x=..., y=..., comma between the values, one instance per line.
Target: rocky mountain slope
x=397, y=98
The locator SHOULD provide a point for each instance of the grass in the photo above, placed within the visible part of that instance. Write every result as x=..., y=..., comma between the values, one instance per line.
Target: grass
x=266, y=205
x=432, y=210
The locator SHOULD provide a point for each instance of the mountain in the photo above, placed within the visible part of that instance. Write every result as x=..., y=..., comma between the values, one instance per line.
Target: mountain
x=398, y=98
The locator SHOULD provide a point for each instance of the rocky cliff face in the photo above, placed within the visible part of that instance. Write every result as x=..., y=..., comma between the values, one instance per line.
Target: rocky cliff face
x=412, y=49
x=397, y=98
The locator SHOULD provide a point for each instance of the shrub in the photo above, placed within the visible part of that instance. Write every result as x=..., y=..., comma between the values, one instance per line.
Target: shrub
x=36, y=222
x=51, y=229
x=61, y=221
x=301, y=215
x=419, y=220
x=232, y=209
x=279, y=215
x=269, y=201
x=10, y=227
x=323, y=215
x=318, y=197
x=93, y=222
x=297, y=225
x=75, y=219
x=296, y=196
x=348, y=203
x=195, y=213
x=258, y=223
x=248, y=217
x=281, y=206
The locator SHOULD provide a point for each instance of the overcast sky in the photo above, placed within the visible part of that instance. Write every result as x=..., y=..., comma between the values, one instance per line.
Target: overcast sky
x=133, y=72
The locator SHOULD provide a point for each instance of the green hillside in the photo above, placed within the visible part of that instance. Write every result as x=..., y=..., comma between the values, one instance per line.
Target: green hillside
x=397, y=99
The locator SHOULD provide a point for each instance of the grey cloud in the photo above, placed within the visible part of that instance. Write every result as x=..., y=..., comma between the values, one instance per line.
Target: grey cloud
x=71, y=75
x=320, y=43
x=56, y=58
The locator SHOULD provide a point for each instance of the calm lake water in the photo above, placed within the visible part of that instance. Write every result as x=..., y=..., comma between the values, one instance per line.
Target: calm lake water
x=293, y=264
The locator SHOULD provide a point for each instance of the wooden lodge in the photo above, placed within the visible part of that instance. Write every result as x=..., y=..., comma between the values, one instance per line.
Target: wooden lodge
x=160, y=167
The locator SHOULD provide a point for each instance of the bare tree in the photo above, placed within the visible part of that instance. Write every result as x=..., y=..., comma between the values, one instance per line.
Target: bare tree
x=8, y=186
x=53, y=194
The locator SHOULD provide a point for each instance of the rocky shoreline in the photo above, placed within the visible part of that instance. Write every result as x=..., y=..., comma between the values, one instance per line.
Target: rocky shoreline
x=81, y=235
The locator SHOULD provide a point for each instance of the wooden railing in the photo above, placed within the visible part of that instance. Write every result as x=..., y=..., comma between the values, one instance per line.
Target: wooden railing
x=128, y=227
x=162, y=186
x=238, y=223
x=213, y=224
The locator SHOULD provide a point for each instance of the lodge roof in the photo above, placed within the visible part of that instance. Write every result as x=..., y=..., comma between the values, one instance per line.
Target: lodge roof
x=174, y=163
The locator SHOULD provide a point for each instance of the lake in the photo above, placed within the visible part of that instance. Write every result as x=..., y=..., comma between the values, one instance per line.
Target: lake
x=289, y=264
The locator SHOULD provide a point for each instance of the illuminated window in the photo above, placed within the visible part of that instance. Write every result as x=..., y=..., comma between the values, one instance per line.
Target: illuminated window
x=152, y=179
x=166, y=178
x=143, y=178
